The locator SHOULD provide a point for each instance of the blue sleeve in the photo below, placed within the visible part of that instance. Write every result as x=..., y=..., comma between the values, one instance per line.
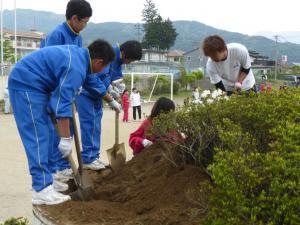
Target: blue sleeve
x=70, y=80
x=104, y=76
x=106, y=81
x=116, y=73
x=115, y=70
x=54, y=38
x=94, y=86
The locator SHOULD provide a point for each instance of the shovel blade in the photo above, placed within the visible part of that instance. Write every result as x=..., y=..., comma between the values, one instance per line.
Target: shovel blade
x=85, y=187
x=83, y=194
x=116, y=156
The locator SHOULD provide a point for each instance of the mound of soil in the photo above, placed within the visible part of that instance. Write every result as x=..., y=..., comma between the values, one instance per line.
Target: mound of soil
x=151, y=189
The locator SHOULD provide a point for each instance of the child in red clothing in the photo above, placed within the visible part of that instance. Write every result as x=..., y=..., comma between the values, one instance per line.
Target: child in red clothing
x=139, y=139
x=125, y=105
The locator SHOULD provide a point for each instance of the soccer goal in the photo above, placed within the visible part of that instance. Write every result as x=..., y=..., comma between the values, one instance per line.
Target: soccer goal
x=156, y=75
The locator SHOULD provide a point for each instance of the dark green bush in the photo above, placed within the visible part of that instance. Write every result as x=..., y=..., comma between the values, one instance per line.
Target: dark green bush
x=250, y=146
x=16, y=221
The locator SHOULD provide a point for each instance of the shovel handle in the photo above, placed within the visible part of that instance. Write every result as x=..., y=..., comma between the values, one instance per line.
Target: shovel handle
x=69, y=157
x=72, y=163
x=76, y=138
x=117, y=128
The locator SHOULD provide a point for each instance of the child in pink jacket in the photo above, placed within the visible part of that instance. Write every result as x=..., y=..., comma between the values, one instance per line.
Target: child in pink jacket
x=139, y=139
x=125, y=105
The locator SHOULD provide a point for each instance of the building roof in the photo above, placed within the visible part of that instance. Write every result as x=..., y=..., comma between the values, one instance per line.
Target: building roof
x=195, y=49
x=175, y=53
x=254, y=53
x=32, y=34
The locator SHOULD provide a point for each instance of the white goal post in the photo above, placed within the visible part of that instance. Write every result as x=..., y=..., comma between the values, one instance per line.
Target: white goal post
x=171, y=75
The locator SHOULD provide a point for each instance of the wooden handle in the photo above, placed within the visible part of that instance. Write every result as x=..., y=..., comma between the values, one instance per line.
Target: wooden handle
x=72, y=163
x=76, y=138
x=117, y=128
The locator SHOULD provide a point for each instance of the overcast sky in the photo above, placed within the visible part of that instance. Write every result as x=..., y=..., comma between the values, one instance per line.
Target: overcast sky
x=241, y=16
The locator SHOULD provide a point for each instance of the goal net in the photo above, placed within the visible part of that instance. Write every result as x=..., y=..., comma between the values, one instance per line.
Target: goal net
x=151, y=83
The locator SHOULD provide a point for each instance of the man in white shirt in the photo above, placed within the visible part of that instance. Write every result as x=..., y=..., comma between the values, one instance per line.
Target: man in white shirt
x=228, y=66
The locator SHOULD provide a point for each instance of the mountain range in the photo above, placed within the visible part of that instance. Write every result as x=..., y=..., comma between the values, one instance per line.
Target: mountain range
x=283, y=36
x=190, y=33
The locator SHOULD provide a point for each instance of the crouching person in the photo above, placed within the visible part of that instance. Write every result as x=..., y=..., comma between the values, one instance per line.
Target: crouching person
x=140, y=138
x=228, y=66
x=46, y=81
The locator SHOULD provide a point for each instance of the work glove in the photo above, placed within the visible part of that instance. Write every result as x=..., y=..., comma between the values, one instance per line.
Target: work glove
x=147, y=143
x=113, y=92
x=65, y=146
x=120, y=88
x=115, y=105
x=238, y=85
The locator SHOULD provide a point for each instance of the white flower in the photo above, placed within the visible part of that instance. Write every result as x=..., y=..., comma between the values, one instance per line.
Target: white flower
x=215, y=94
x=222, y=97
x=220, y=91
x=205, y=93
x=209, y=101
x=197, y=101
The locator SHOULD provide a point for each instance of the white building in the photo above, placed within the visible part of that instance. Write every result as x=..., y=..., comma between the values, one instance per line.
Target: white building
x=154, y=61
x=26, y=43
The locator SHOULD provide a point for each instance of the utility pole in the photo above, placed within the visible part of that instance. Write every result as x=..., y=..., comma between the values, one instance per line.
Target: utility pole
x=1, y=39
x=276, y=54
x=139, y=31
x=15, y=18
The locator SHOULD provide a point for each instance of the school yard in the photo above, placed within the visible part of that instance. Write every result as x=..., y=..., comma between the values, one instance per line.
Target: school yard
x=15, y=188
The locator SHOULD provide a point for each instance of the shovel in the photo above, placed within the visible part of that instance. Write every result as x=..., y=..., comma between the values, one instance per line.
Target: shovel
x=85, y=188
x=117, y=154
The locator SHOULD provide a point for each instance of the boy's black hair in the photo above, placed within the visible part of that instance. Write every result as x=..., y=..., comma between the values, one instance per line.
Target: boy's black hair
x=163, y=104
x=132, y=50
x=80, y=8
x=101, y=49
x=133, y=89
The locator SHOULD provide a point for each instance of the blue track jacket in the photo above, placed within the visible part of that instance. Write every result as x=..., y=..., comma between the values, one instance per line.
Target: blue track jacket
x=63, y=34
x=58, y=71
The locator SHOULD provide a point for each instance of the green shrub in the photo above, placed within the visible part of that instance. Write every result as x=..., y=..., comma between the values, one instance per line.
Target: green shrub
x=250, y=146
x=163, y=85
x=16, y=221
x=2, y=105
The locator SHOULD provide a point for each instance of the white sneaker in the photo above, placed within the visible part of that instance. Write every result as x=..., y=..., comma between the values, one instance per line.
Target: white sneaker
x=63, y=175
x=60, y=186
x=48, y=196
x=97, y=164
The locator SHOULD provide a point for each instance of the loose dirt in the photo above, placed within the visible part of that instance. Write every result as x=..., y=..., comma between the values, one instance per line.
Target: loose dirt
x=151, y=189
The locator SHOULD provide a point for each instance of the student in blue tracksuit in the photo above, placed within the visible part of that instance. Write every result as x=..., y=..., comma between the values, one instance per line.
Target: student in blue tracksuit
x=46, y=81
x=78, y=13
x=90, y=108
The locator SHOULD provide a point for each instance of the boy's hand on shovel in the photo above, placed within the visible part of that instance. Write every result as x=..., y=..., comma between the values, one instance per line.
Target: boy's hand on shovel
x=115, y=105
